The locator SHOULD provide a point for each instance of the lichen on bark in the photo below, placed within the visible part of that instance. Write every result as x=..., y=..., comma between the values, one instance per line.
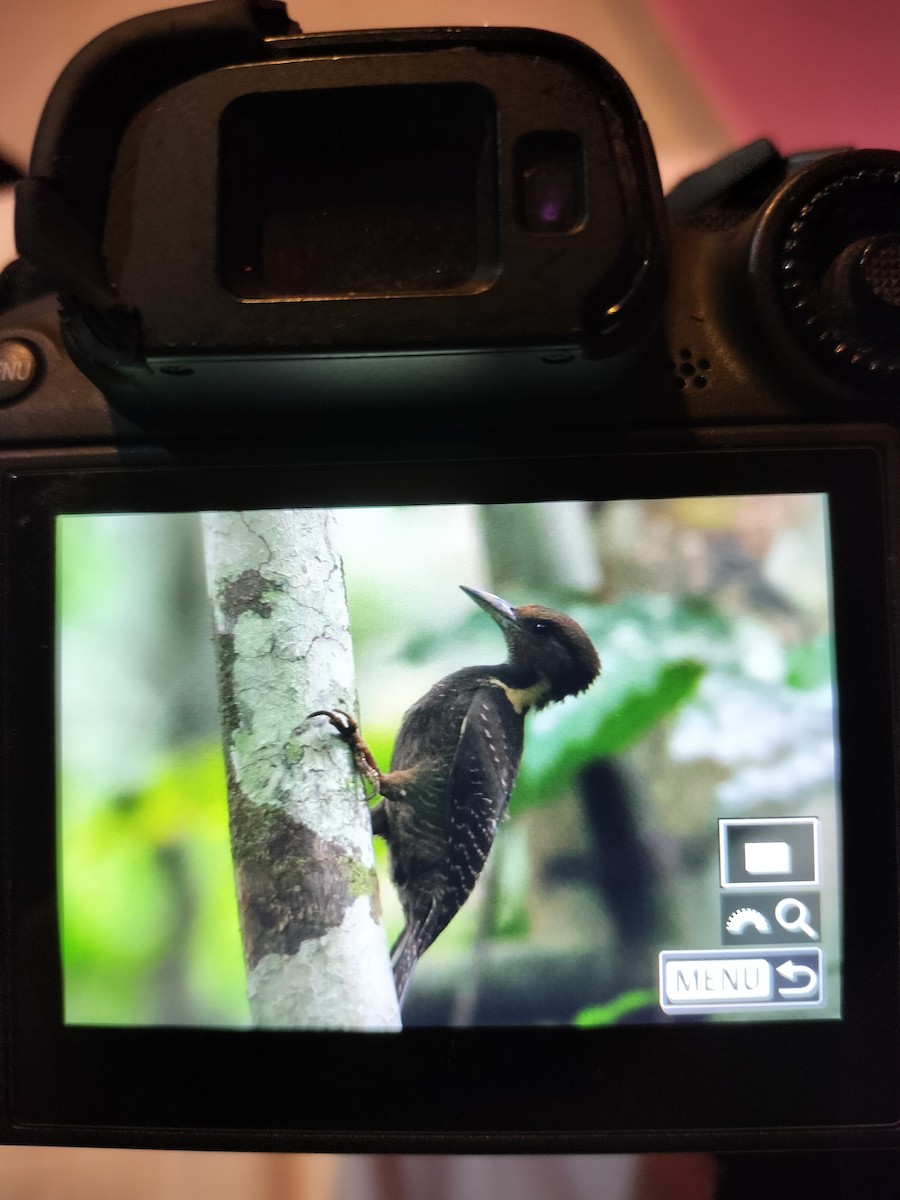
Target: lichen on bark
x=292, y=884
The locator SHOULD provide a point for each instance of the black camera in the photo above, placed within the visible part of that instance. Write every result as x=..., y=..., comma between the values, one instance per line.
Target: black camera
x=307, y=331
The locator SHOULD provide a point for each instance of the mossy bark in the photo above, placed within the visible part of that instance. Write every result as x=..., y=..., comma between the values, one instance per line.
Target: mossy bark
x=314, y=947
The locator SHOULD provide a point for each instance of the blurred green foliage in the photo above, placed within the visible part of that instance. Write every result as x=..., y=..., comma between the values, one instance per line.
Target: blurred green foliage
x=149, y=913
x=810, y=664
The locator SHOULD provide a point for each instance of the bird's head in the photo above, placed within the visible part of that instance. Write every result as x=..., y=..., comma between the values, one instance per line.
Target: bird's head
x=544, y=645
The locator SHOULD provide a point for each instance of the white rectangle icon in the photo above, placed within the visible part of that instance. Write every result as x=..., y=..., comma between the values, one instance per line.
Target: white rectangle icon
x=768, y=852
x=767, y=858
x=709, y=981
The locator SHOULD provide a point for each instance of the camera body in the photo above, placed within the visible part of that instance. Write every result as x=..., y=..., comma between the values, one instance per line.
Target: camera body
x=434, y=267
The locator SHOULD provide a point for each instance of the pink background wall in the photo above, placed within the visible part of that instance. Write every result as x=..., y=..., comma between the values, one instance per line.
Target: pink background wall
x=805, y=72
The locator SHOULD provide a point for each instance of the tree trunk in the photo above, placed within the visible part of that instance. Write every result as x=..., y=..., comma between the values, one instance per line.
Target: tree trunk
x=315, y=950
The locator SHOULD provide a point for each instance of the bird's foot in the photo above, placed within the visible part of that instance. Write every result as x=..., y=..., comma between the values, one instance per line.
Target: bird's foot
x=348, y=729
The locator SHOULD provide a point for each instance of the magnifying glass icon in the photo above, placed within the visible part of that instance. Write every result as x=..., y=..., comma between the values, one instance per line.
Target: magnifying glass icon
x=793, y=915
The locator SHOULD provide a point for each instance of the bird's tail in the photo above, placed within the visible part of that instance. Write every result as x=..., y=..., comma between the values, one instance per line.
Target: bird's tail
x=412, y=943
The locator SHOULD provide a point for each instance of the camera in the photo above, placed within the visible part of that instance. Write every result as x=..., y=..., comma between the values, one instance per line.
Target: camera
x=308, y=331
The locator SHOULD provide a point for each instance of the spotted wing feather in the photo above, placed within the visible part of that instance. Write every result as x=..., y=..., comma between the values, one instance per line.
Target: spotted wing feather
x=479, y=785
x=482, y=777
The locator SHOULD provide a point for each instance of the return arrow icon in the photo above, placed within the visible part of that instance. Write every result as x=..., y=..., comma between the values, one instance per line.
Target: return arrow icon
x=796, y=972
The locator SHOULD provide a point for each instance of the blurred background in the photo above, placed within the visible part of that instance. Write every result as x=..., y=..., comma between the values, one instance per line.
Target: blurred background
x=708, y=76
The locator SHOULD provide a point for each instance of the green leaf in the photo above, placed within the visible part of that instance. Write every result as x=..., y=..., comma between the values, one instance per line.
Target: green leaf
x=644, y=704
x=613, y=1011
x=609, y=720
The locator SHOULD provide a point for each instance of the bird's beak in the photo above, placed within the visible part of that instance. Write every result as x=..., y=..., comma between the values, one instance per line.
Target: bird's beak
x=502, y=612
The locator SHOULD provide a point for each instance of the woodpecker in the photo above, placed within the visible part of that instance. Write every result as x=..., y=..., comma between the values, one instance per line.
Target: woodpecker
x=455, y=762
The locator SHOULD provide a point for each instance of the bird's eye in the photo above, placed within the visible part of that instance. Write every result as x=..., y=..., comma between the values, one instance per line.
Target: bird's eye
x=540, y=627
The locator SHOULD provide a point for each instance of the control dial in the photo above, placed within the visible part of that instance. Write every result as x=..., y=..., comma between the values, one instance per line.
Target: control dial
x=831, y=239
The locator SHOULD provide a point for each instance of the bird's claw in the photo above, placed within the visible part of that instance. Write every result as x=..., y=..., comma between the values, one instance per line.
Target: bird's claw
x=347, y=728
x=346, y=725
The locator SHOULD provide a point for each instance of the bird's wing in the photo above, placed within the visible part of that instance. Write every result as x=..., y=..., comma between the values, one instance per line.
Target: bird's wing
x=481, y=779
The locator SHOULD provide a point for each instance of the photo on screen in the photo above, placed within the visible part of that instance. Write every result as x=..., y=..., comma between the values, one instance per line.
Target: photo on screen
x=671, y=850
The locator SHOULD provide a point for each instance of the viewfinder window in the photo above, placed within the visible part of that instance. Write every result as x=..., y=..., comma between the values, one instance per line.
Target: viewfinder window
x=361, y=191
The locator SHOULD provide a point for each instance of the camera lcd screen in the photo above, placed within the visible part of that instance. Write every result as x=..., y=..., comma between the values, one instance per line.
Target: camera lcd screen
x=672, y=851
